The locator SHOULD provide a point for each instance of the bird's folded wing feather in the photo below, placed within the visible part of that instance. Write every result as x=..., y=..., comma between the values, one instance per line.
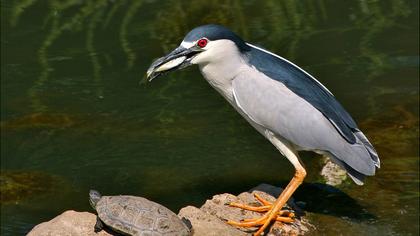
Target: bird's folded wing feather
x=272, y=105
x=305, y=86
x=284, y=99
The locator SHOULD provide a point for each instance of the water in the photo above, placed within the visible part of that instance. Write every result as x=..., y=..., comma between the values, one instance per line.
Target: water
x=76, y=115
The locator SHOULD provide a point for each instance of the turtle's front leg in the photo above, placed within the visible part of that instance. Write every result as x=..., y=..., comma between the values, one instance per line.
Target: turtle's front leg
x=99, y=226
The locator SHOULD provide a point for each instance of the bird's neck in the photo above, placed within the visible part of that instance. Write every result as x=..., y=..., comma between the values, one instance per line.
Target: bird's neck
x=220, y=74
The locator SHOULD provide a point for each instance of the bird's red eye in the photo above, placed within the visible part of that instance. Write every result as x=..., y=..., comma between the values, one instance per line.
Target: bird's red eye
x=202, y=43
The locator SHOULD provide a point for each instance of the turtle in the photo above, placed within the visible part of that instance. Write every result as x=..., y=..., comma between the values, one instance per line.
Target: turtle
x=132, y=215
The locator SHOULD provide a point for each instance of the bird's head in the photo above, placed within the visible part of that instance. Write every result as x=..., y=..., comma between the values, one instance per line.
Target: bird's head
x=202, y=45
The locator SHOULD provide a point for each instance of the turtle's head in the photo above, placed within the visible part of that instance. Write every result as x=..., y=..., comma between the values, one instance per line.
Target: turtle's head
x=94, y=197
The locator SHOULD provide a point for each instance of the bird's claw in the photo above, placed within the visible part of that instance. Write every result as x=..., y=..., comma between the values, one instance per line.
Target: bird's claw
x=266, y=206
x=282, y=215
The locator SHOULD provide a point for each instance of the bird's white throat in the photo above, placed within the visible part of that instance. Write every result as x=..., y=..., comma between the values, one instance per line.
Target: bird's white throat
x=220, y=64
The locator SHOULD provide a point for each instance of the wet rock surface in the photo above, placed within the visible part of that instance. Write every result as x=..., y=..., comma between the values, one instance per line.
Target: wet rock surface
x=208, y=220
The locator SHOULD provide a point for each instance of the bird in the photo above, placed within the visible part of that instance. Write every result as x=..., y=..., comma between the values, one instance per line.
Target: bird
x=283, y=102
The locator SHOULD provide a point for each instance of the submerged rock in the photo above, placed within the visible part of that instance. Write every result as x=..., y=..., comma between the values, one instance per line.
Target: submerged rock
x=395, y=131
x=16, y=186
x=208, y=220
x=38, y=120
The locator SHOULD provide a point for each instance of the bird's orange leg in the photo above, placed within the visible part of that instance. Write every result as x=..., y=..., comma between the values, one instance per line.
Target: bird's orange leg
x=273, y=213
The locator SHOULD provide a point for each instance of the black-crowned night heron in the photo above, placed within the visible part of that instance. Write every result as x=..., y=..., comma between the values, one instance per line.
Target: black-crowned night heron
x=292, y=109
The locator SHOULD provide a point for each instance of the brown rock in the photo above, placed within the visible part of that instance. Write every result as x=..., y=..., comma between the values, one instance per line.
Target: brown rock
x=209, y=220
x=219, y=210
x=70, y=223
x=205, y=224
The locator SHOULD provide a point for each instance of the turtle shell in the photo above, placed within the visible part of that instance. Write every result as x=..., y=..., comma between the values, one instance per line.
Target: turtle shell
x=138, y=216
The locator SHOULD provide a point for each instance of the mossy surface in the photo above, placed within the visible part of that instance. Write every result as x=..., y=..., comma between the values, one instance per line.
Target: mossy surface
x=16, y=186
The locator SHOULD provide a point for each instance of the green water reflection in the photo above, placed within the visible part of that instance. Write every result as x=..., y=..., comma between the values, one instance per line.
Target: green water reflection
x=76, y=113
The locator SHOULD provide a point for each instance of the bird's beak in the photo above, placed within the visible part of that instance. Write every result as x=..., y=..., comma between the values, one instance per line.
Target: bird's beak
x=177, y=59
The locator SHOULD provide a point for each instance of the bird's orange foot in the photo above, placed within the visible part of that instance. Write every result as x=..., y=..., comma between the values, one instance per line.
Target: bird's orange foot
x=280, y=216
x=257, y=222
x=265, y=207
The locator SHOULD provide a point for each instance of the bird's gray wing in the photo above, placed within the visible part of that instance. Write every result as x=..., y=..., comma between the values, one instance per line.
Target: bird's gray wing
x=274, y=106
x=304, y=85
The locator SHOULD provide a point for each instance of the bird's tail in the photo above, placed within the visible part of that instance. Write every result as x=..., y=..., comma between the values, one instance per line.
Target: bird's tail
x=359, y=159
x=369, y=147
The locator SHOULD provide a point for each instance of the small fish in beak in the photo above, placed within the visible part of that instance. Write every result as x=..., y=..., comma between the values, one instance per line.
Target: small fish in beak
x=177, y=59
x=168, y=65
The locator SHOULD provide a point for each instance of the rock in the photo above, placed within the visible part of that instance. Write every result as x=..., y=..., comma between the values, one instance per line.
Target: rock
x=208, y=220
x=333, y=174
x=214, y=213
x=69, y=223
x=205, y=224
